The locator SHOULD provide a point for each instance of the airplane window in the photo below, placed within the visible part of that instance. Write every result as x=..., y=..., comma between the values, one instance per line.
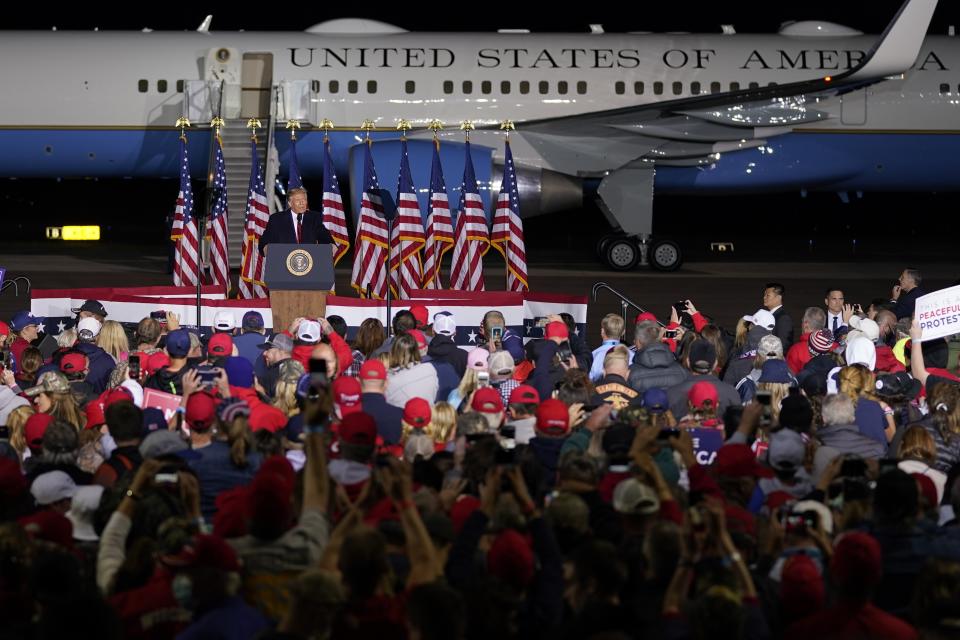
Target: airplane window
x=944, y=88
x=353, y=86
x=504, y=87
x=677, y=88
x=334, y=86
x=658, y=88
x=179, y=86
x=142, y=86
x=371, y=86
x=467, y=86
x=581, y=87
x=524, y=87
x=410, y=86
x=486, y=86
x=638, y=88
x=619, y=87
x=734, y=86
x=695, y=88
x=161, y=86
x=714, y=87
x=562, y=87
x=544, y=87
x=448, y=86
x=754, y=85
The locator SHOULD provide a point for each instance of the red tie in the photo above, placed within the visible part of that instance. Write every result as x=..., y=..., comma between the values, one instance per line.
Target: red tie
x=299, y=228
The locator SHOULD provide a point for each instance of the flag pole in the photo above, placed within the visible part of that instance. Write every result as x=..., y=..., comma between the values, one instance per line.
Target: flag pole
x=183, y=123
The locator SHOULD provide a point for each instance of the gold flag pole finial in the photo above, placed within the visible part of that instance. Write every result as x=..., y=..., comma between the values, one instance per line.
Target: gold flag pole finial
x=293, y=125
x=254, y=124
x=326, y=124
x=508, y=126
x=183, y=123
x=436, y=126
x=466, y=126
x=403, y=126
x=217, y=123
x=368, y=126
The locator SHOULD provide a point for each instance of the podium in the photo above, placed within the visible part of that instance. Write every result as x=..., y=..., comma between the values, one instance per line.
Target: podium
x=299, y=277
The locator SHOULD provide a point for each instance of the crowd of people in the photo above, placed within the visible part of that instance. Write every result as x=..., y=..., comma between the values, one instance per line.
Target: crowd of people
x=680, y=480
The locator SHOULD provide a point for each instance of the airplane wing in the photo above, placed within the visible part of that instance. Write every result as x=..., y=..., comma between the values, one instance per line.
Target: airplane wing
x=689, y=130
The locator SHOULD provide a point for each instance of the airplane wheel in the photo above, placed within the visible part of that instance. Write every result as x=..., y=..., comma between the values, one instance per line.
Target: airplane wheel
x=602, y=245
x=665, y=256
x=621, y=254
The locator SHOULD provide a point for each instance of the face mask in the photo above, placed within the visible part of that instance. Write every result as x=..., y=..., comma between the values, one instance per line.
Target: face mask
x=182, y=587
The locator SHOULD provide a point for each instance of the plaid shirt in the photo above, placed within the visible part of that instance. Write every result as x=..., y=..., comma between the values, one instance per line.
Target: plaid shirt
x=354, y=368
x=505, y=388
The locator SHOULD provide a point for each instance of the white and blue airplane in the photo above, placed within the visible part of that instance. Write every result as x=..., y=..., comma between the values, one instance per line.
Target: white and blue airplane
x=816, y=106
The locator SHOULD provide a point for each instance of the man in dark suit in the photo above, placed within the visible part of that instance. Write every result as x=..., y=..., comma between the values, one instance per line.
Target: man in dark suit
x=773, y=302
x=904, y=295
x=295, y=224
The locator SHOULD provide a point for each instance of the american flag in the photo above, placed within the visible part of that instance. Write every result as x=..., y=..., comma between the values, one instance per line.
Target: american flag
x=439, y=224
x=258, y=213
x=294, y=181
x=186, y=255
x=507, y=234
x=408, y=238
x=471, y=239
x=217, y=230
x=333, y=217
x=370, y=258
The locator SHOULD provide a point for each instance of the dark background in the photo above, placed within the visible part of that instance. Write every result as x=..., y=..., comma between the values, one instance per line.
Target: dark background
x=762, y=227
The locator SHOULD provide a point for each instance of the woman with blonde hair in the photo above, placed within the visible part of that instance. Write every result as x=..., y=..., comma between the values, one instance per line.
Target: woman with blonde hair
x=918, y=454
x=873, y=417
x=53, y=395
x=15, y=422
x=285, y=393
x=775, y=379
x=476, y=364
x=113, y=340
x=407, y=376
x=444, y=424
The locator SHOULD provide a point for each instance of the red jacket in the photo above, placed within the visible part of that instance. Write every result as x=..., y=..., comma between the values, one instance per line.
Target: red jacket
x=262, y=415
x=886, y=361
x=301, y=353
x=798, y=355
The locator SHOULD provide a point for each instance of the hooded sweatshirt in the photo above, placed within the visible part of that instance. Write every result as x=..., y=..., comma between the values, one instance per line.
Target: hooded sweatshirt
x=8, y=402
x=741, y=364
x=443, y=349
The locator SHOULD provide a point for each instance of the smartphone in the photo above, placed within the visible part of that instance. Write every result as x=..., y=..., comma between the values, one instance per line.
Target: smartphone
x=208, y=375
x=318, y=377
x=681, y=307
x=4, y=433
x=159, y=316
x=666, y=434
x=166, y=478
x=496, y=333
x=853, y=468
x=564, y=351
x=764, y=398
x=5, y=361
x=382, y=461
x=670, y=334
x=133, y=366
x=483, y=378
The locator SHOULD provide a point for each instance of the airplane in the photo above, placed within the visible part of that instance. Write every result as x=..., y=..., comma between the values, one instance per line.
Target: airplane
x=815, y=107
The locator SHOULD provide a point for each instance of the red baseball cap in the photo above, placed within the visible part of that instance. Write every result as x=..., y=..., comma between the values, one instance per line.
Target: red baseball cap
x=94, y=411
x=487, y=400
x=857, y=558
x=156, y=361
x=737, y=461
x=511, y=559
x=927, y=489
x=73, y=363
x=702, y=392
x=524, y=394
x=556, y=330
x=34, y=428
x=119, y=394
x=645, y=316
x=201, y=410
x=421, y=314
x=373, y=370
x=220, y=345
x=417, y=413
x=4, y=328
x=50, y=526
x=553, y=417
x=419, y=337
x=346, y=395
x=358, y=428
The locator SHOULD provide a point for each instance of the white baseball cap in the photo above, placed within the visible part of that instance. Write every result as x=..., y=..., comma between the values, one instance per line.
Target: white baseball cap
x=92, y=325
x=224, y=321
x=762, y=318
x=867, y=327
x=52, y=486
x=308, y=331
x=444, y=324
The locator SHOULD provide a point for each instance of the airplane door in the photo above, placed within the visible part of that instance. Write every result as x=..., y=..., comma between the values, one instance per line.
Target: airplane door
x=853, y=107
x=256, y=82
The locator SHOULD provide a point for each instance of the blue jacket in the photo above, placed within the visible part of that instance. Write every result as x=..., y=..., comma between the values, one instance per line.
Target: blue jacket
x=385, y=415
x=247, y=345
x=446, y=376
x=101, y=365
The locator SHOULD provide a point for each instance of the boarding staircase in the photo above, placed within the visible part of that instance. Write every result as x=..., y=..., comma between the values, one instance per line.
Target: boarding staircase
x=236, y=159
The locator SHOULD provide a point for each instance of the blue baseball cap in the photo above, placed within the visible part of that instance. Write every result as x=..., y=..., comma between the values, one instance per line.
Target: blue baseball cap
x=655, y=401
x=776, y=371
x=178, y=343
x=23, y=320
x=252, y=320
x=239, y=371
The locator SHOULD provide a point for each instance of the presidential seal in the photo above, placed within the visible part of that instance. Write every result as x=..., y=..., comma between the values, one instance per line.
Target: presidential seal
x=299, y=262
